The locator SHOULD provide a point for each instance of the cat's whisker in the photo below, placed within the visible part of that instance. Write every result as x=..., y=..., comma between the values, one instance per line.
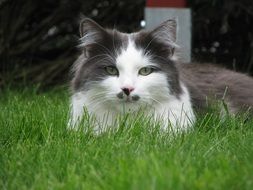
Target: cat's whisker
x=149, y=43
x=108, y=51
x=96, y=97
x=104, y=94
x=95, y=102
x=94, y=106
x=163, y=58
x=101, y=61
x=99, y=55
x=151, y=98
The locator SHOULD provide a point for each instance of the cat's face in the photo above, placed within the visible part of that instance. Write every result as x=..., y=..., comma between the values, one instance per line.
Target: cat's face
x=131, y=69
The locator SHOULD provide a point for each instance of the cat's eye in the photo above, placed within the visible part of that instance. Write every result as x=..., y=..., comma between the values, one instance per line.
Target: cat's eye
x=111, y=70
x=145, y=71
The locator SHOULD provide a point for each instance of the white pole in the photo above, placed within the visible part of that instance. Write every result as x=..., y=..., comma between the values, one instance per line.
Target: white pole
x=155, y=15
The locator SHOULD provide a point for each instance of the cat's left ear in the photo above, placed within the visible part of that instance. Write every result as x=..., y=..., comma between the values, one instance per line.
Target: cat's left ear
x=90, y=33
x=166, y=33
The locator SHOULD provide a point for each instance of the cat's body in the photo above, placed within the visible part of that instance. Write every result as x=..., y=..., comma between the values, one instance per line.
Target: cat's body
x=119, y=73
x=210, y=82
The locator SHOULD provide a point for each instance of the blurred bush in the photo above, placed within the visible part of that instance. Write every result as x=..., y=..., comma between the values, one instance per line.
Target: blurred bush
x=38, y=38
x=223, y=32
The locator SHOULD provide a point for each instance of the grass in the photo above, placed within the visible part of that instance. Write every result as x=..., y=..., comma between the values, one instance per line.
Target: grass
x=37, y=152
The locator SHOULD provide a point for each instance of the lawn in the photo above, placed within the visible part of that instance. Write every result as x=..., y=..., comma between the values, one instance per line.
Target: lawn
x=38, y=152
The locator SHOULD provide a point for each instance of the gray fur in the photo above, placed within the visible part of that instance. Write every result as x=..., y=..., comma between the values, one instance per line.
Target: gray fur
x=207, y=81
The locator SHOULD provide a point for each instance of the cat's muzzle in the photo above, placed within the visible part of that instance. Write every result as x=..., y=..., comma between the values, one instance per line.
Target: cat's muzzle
x=129, y=98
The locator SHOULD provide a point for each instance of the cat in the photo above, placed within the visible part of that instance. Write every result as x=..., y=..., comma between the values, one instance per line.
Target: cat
x=120, y=73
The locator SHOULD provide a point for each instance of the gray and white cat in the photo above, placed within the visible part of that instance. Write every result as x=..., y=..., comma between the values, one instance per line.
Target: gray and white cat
x=119, y=72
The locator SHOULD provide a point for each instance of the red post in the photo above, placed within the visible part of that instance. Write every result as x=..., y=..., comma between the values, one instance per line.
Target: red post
x=166, y=3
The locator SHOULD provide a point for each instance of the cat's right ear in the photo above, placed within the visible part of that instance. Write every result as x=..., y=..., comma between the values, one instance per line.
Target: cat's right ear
x=166, y=33
x=90, y=33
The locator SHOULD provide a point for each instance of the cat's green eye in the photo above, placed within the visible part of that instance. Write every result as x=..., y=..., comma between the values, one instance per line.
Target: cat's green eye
x=145, y=71
x=111, y=70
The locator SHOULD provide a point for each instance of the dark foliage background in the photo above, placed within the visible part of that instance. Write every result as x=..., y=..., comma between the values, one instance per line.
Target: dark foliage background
x=38, y=38
x=223, y=32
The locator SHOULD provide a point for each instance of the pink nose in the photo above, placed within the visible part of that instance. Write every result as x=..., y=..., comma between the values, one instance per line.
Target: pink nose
x=127, y=90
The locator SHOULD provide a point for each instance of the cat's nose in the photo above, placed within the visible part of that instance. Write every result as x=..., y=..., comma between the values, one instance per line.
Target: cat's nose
x=127, y=90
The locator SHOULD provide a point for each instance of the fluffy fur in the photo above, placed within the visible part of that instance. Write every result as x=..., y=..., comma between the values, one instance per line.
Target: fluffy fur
x=170, y=92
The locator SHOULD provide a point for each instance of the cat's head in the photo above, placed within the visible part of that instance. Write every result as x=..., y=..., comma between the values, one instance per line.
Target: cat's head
x=133, y=69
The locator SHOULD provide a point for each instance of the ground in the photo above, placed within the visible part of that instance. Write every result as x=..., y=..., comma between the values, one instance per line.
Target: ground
x=38, y=152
